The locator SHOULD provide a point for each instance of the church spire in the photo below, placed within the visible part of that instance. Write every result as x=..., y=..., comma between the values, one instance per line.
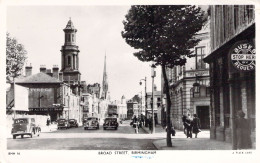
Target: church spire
x=105, y=93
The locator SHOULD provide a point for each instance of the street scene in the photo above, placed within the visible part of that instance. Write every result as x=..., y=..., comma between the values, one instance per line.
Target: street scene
x=141, y=77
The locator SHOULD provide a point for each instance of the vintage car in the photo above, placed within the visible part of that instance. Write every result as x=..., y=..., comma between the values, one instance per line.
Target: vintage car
x=25, y=126
x=73, y=123
x=63, y=123
x=91, y=122
x=110, y=123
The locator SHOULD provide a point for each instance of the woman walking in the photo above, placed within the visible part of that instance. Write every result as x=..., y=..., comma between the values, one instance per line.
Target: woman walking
x=196, y=125
x=188, y=124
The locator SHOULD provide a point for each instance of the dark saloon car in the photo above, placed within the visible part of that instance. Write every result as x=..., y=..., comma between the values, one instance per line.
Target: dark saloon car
x=91, y=122
x=25, y=126
x=110, y=123
x=73, y=123
x=63, y=123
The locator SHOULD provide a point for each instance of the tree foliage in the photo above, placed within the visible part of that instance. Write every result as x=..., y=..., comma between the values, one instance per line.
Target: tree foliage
x=164, y=35
x=15, y=57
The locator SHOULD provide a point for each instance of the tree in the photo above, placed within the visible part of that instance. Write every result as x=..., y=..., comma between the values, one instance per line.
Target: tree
x=164, y=35
x=15, y=57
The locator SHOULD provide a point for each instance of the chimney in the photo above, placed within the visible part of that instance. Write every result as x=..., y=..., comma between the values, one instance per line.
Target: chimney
x=28, y=70
x=55, y=71
x=48, y=72
x=61, y=76
x=43, y=68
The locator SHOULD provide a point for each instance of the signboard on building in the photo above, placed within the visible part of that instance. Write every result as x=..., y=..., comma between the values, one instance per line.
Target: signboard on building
x=242, y=56
x=21, y=96
x=46, y=109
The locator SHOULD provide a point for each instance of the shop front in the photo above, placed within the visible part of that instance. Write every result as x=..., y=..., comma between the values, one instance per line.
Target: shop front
x=54, y=112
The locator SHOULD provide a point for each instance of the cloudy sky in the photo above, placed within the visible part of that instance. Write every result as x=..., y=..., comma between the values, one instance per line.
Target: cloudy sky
x=40, y=29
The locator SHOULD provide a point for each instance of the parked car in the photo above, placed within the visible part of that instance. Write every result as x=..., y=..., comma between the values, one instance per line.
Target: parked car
x=63, y=123
x=73, y=123
x=25, y=126
x=91, y=122
x=110, y=123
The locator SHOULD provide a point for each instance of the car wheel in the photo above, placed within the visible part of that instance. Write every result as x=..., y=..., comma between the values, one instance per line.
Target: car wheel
x=31, y=135
x=21, y=136
x=84, y=128
x=97, y=127
x=14, y=137
x=116, y=128
x=104, y=128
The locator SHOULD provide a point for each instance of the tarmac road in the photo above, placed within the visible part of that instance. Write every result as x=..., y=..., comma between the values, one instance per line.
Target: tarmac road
x=124, y=138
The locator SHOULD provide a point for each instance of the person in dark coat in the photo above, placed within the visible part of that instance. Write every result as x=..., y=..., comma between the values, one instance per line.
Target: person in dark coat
x=48, y=122
x=195, y=125
x=189, y=126
x=184, y=117
x=243, y=131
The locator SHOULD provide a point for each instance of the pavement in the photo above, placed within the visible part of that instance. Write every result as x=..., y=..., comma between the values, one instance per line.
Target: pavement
x=180, y=142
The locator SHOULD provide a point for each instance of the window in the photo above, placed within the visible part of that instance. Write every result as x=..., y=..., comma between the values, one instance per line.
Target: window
x=69, y=60
x=69, y=37
x=72, y=36
x=200, y=54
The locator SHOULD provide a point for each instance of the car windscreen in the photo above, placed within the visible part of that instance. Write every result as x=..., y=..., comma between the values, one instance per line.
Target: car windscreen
x=72, y=120
x=61, y=120
x=20, y=121
x=92, y=119
x=110, y=120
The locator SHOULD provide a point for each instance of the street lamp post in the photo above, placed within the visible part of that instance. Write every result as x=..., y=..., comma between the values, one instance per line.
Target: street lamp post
x=141, y=108
x=145, y=95
x=153, y=74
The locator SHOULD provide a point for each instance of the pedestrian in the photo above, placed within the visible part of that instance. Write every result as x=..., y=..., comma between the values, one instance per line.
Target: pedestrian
x=189, y=126
x=195, y=125
x=184, y=117
x=48, y=123
x=243, y=131
x=156, y=119
x=150, y=123
x=142, y=119
x=134, y=119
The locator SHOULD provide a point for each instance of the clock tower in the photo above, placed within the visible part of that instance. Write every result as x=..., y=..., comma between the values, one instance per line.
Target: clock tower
x=70, y=59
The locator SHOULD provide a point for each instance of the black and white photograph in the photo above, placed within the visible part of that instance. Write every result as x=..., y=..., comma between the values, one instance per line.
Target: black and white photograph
x=131, y=81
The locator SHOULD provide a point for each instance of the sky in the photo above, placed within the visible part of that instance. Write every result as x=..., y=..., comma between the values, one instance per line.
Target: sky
x=40, y=30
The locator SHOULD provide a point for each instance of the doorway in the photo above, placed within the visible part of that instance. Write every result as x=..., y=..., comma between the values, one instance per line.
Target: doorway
x=203, y=115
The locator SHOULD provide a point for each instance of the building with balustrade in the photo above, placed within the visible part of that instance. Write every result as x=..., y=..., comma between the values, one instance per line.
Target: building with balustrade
x=185, y=98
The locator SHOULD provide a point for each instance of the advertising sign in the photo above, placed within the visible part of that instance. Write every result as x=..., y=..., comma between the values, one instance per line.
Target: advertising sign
x=242, y=56
x=21, y=98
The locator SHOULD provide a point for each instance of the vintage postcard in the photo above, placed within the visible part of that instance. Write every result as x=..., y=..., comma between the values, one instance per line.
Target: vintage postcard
x=133, y=81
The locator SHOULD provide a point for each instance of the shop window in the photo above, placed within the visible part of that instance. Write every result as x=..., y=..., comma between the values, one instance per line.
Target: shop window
x=200, y=54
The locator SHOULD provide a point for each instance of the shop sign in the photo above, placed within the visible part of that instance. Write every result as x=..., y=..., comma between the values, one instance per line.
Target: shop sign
x=40, y=89
x=243, y=56
x=45, y=109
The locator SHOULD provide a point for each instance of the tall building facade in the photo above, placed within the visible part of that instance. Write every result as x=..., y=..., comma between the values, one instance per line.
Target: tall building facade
x=70, y=59
x=232, y=70
x=156, y=105
x=94, y=89
x=185, y=98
